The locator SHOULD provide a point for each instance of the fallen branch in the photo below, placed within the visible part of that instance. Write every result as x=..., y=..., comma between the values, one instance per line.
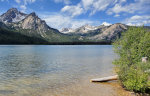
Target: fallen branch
x=104, y=79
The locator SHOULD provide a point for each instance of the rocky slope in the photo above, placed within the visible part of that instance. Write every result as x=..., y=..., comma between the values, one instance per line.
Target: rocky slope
x=12, y=15
x=27, y=24
x=111, y=33
x=33, y=22
x=103, y=32
x=83, y=30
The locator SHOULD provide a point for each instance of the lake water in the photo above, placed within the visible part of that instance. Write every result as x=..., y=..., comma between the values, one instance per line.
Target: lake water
x=54, y=70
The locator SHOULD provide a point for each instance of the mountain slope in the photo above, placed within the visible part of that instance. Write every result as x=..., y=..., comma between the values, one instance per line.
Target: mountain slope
x=98, y=33
x=34, y=25
x=14, y=37
x=111, y=33
x=12, y=15
x=31, y=26
x=82, y=31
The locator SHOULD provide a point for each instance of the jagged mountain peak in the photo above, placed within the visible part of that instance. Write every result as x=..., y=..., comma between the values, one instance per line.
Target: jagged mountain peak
x=118, y=26
x=33, y=22
x=111, y=32
x=12, y=15
x=66, y=30
x=13, y=10
x=32, y=14
x=106, y=24
x=81, y=30
x=18, y=20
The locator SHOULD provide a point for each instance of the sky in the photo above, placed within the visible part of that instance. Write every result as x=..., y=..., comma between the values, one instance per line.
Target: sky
x=75, y=13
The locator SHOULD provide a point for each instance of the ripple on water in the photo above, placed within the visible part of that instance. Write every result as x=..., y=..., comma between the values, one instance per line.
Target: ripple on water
x=52, y=70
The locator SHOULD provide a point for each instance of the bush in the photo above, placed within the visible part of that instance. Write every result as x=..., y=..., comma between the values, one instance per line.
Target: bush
x=131, y=47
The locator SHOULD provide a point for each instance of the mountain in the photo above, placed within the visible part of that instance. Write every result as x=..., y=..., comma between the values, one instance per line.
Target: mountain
x=28, y=22
x=111, y=33
x=20, y=28
x=29, y=25
x=85, y=30
x=33, y=23
x=98, y=33
x=81, y=30
x=12, y=15
x=106, y=24
x=67, y=30
x=13, y=37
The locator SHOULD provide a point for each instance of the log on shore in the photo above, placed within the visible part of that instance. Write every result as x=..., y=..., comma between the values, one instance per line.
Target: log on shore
x=105, y=79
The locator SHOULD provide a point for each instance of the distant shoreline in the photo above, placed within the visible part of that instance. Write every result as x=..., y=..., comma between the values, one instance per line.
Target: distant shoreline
x=63, y=43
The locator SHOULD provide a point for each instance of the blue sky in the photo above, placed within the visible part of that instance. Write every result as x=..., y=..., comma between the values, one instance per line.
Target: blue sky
x=75, y=13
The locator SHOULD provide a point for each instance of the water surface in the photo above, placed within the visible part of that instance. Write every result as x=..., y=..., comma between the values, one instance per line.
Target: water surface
x=53, y=70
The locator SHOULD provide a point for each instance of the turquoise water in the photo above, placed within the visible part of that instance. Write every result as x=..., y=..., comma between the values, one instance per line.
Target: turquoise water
x=27, y=70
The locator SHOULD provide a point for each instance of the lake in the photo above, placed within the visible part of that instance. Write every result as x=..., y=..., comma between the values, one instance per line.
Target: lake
x=55, y=70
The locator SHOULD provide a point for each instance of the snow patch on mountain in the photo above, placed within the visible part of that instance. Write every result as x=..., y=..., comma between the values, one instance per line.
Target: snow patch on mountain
x=106, y=24
x=82, y=29
x=12, y=16
x=18, y=18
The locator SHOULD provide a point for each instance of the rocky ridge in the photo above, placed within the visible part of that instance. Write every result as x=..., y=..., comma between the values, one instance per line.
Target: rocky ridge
x=102, y=32
x=12, y=16
x=31, y=22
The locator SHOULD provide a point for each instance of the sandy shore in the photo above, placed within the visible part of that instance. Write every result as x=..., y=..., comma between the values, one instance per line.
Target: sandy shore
x=86, y=88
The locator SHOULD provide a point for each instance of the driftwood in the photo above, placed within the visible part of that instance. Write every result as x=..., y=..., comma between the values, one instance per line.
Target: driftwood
x=104, y=79
x=115, y=77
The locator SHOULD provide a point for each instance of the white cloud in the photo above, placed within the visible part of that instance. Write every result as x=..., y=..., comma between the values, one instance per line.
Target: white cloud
x=64, y=1
x=117, y=6
x=23, y=4
x=138, y=6
x=28, y=1
x=73, y=10
x=137, y=20
x=59, y=21
x=92, y=6
x=86, y=4
x=100, y=5
x=23, y=8
x=25, y=1
x=117, y=15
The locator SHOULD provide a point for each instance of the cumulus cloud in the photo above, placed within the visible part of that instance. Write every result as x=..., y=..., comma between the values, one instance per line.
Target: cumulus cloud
x=23, y=4
x=25, y=1
x=73, y=10
x=138, y=6
x=59, y=21
x=137, y=20
x=28, y=1
x=23, y=8
x=111, y=7
x=82, y=7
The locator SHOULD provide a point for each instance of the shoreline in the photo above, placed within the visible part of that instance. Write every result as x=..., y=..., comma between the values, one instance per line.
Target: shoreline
x=61, y=43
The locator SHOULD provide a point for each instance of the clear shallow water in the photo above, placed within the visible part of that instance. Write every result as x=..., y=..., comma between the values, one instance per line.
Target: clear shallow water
x=47, y=70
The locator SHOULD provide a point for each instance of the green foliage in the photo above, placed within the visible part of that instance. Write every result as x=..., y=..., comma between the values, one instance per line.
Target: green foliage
x=134, y=44
x=14, y=37
x=136, y=78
